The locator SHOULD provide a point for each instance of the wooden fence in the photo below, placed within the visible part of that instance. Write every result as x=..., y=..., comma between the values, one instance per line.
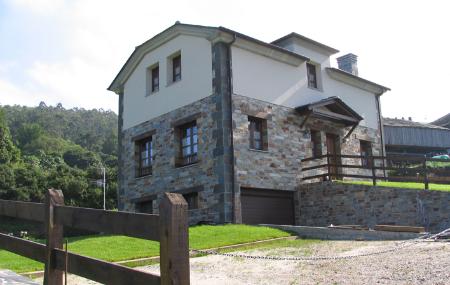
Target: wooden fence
x=170, y=228
x=402, y=168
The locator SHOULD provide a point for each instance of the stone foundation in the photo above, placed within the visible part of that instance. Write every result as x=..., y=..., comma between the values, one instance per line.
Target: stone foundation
x=322, y=204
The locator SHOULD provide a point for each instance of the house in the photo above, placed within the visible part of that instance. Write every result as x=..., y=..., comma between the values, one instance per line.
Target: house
x=407, y=137
x=225, y=119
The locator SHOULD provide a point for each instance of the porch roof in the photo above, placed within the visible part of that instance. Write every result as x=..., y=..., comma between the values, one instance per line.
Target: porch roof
x=333, y=109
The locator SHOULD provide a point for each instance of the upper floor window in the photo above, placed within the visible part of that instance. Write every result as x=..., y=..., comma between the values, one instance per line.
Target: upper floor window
x=155, y=79
x=145, y=156
x=152, y=79
x=312, y=75
x=188, y=144
x=258, y=133
x=316, y=143
x=366, y=153
x=176, y=68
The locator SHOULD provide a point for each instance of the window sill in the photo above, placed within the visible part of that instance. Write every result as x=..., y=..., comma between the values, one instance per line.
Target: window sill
x=195, y=209
x=151, y=93
x=143, y=176
x=315, y=89
x=259, y=150
x=173, y=83
x=180, y=166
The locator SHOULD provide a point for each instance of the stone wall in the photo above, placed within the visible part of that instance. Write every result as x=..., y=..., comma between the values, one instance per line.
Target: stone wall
x=166, y=176
x=278, y=167
x=322, y=204
x=289, y=141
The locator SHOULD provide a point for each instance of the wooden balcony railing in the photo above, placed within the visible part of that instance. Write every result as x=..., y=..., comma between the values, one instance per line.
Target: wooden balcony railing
x=402, y=168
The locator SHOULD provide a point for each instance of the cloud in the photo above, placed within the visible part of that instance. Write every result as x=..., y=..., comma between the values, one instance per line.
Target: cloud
x=69, y=51
x=10, y=94
x=41, y=7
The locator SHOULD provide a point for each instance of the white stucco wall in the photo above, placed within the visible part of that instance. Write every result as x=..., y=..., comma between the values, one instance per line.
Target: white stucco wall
x=306, y=49
x=272, y=81
x=196, y=82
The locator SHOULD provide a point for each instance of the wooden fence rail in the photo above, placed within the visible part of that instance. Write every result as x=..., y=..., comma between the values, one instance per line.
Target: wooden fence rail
x=170, y=228
x=333, y=168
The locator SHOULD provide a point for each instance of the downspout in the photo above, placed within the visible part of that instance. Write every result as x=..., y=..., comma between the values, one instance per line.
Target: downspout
x=230, y=84
x=380, y=122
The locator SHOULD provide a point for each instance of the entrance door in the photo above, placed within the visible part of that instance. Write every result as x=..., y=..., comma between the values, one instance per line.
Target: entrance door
x=333, y=149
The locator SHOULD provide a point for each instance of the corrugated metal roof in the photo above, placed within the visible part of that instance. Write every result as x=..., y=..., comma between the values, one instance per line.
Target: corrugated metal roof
x=408, y=133
x=409, y=124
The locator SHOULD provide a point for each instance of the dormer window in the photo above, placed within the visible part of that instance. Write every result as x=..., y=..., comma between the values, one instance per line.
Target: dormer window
x=312, y=75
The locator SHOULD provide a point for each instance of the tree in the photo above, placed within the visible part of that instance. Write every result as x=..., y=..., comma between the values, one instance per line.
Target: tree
x=28, y=133
x=8, y=151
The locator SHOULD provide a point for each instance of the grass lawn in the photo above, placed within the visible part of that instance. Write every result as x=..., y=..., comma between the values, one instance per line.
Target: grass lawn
x=117, y=248
x=411, y=185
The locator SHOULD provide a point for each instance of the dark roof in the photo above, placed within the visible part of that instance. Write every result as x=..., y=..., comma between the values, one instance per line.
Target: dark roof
x=409, y=124
x=295, y=35
x=223, y=29
x=269, y=45
x=338, y=110
x=443, y=121
x=357, y=77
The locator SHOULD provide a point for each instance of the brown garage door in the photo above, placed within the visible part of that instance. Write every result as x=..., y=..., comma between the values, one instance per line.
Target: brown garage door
x=260, y=206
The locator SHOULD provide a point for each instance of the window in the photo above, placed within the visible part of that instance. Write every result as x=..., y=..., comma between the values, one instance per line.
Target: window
x=188, y=144
x=312, y=75
x=152, y=79
x=257, y=129
x=316, y=143
x=155, y=79
x=145, y=207
x=192, y=200
x=145, y=156
x=366, y=152
x=176, y=68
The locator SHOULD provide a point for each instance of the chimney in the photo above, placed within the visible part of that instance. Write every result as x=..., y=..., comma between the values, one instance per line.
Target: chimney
x=348, y=63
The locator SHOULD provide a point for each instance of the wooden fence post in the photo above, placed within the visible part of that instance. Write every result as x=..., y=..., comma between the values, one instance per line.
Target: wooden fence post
x=174, y=242
x=425, y=173
x=54, y=235
x=374, y=173
x=329, y=166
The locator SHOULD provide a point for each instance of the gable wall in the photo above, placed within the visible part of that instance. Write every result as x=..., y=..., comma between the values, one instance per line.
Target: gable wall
x=195, y=83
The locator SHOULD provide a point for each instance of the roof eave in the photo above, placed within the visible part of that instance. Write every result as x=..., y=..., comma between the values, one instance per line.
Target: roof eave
x=328, y=49
x=154, y=42
x=268, y=45
x=212, y=34
x=356, y=81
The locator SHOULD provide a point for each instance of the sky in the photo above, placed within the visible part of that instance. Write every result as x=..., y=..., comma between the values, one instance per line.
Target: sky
x=68, y=52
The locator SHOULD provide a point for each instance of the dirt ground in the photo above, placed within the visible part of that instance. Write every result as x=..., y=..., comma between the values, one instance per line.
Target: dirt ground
x=419, y=263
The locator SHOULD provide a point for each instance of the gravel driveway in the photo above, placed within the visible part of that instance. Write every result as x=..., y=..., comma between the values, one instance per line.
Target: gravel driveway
x=420, y=263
